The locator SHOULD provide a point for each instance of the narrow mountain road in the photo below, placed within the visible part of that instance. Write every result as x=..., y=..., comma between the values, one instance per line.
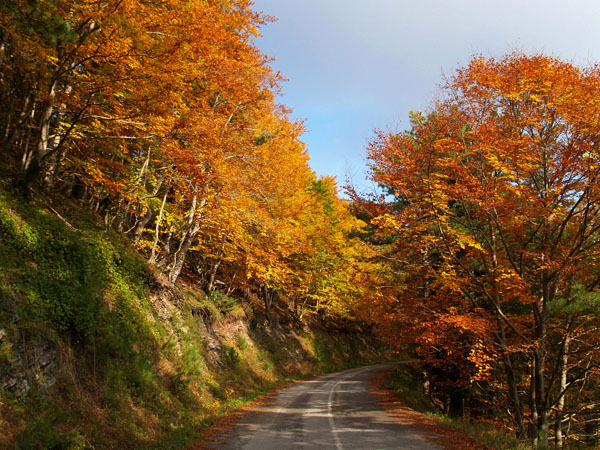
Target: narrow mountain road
x=334, y=411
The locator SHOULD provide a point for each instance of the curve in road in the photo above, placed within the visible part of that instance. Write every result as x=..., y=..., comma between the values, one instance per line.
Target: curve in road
x=335, y=411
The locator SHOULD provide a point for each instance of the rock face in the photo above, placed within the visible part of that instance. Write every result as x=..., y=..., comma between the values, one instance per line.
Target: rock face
x=168, y=303
x=27, y=362
x=186, y=317
x=30, y=364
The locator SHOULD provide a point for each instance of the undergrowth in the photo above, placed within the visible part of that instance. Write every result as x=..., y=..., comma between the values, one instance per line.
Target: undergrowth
x=405, y=382
x=131, y=370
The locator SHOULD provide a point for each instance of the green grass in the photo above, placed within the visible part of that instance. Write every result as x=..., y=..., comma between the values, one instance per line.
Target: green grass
x=133, y=371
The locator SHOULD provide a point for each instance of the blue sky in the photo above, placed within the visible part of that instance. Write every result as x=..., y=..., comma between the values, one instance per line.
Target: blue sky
x=356, y=65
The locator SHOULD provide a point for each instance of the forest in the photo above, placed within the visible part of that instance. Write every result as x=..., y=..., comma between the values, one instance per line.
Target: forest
x=478, y=255
x=161, y=117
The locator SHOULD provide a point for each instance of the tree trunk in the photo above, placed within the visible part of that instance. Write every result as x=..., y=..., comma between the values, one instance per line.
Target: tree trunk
x=542, y=410
x=231, y=283
x=560, y=406
x=533, y=430
x=31, y=165
x=163, y=260
x=192, y=227
x=56, y=159
x=539, y=358
x=456, y=403
x=215, y=267
x=268, y=299
x=141, y=224
x=181, y=253
x=514, y=395
x=14, y=128
x=152, y=259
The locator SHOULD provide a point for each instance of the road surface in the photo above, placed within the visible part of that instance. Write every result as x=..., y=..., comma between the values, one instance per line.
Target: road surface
x=334, y=411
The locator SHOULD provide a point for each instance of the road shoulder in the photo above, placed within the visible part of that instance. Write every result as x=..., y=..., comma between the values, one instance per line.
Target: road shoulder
x=430, y=428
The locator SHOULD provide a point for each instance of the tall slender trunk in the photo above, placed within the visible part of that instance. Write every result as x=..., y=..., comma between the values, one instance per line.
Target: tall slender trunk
x=32, y=160
x=163, y=260
x=141, y=223
x=14, y=128
x=543, y=423
x=56, y=159
x=541, y=315
x=2, y=49
x=231, y=283
x=191, y=229
x=560, y=406
x=215, y=267
x=534, y=435
x=152, y=259
x=181, y=253
x=511, y=381
x=540, y=353
x=268, y=299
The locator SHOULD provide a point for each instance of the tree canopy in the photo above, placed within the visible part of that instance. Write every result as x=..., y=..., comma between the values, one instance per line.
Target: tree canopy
x=161, y=117
x=493, y=219
x=481, y=254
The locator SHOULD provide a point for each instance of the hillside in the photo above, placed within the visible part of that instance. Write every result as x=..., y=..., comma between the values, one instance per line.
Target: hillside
x=167, y=251
x=99, y=350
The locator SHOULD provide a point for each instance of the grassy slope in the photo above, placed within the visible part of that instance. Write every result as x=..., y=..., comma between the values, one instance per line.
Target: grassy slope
x=114, y=357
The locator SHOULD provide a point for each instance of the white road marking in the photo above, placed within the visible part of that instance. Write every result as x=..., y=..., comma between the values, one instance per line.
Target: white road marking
x=334, y=430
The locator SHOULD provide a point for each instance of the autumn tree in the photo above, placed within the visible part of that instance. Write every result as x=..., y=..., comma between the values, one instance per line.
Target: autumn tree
x=494, y=214
x=162, y=118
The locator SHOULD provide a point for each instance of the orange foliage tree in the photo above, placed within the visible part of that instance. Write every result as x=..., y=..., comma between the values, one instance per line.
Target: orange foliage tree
x=493, y=219
x=161, y=117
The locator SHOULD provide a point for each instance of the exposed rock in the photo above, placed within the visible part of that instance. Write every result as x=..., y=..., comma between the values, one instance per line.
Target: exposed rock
x=168, y=301
x=31, y=364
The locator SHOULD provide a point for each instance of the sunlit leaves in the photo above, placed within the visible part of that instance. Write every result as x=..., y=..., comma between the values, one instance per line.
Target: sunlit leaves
x=499, y=219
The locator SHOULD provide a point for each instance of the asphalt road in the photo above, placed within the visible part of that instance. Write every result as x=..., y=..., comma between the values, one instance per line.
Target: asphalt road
x=334, y=411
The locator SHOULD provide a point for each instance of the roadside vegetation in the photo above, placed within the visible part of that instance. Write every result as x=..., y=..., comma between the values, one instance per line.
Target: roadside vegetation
x=490, y=225
x=408, y=384
x=167, y=251
x=100, y=351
